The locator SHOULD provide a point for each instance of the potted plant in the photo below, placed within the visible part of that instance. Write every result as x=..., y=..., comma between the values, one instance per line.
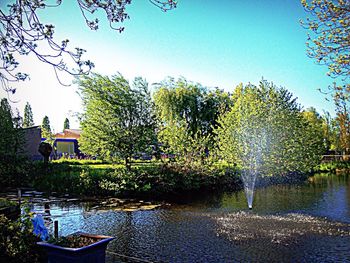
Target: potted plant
x=77, y=248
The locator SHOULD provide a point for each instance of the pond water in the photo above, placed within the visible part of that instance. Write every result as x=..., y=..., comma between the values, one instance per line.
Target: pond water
x=307, y=222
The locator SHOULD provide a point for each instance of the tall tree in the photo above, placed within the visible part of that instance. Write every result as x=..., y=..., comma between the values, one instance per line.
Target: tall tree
x=46, y=124
x=28, y=120
x=66, y=124
x=46, y=130
x=188, y=112
x=11, y=134
x=118, y=120
x=331, y=132
x=266, y=132
x=22, y=31
x=341, y=100
x=6, y=127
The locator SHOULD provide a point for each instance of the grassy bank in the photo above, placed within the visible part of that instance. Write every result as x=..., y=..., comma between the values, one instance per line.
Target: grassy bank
x=146, y=180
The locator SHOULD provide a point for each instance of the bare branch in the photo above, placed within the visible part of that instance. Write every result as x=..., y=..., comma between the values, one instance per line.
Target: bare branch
x=21, y=32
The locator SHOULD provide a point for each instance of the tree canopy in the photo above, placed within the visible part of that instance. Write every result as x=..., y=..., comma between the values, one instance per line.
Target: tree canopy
x=265, y=131
x=341, y=101
x=118, y=120
x=11, y=135
x=329, y=40
x=66, y=124
x=28, y=120
x=22, y=30
x=6, y=127
x=187, y=113
x=46, y=130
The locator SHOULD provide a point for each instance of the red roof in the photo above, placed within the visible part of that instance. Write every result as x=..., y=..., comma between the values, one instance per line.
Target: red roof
x=69, y=133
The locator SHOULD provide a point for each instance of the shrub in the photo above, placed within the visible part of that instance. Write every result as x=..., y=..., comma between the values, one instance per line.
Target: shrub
x=17, y=241
x=14, y=171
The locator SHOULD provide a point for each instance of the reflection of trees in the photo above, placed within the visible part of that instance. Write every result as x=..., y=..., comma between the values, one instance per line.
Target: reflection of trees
x=286, y=198
x=125, y=234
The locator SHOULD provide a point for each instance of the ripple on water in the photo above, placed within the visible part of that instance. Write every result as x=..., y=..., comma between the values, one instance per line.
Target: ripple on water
x=283, y=229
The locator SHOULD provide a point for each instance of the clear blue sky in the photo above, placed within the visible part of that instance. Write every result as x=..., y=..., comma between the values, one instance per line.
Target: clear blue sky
x=215, y=43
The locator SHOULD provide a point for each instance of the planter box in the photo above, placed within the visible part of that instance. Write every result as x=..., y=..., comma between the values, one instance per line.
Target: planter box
x=94, y=253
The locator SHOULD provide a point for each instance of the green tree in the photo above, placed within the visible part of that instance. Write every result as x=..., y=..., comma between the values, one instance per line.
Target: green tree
x=315, y=127
x=118, y=120
x=187, y=113
x=22, y=31
x=6, y=127
x=341, y=100
x=28, y=120
x=46, y=130
x=66, y=124
x=11, y=134
x=314, y=133
x=265, y=132
x=329, y=44
x=46, y=124
x=331, y=132
x=329, y=40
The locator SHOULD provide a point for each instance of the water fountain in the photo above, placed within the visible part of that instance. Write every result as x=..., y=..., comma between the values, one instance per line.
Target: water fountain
x=255, y=143
x=249, y=179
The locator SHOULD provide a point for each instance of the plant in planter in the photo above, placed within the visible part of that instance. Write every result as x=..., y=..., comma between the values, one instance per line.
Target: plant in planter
x=77, y=248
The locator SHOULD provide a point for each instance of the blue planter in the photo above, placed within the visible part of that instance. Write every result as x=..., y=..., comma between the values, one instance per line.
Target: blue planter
x=94, y=253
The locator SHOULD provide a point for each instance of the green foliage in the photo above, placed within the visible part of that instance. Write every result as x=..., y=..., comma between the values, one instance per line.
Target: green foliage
x=12, y=164
x=6, y=203
x=329, y=39
x=118, y=120
x=78, y=162
x=330, y=132
x=28, y=120
x=314, y=130
x=341, y=100
x=46, y=124
x=6, y=128
x=17, y=241
x=150, y=180
x=15, y=171
x=332, y=166
x=66, y=124
x=265, y=132
x=188, y=112
x=329, y=44
x=46, y=131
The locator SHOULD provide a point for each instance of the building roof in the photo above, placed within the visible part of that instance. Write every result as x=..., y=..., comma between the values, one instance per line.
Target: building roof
x=69, y=133
x=32, y=127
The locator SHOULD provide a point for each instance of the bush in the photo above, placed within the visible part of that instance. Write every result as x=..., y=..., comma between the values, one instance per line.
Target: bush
x=332, y=166
x=17, y=241
x=14, y=171
x=151, y=179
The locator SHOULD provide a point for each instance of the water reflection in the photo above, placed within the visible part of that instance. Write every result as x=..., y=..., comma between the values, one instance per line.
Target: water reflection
x=306, y=222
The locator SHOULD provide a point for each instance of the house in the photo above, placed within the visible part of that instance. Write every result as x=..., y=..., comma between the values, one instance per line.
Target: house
x=66, y=142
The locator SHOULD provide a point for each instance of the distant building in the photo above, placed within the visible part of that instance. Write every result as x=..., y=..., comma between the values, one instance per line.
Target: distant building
x=32, y=140
x=66, y=142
